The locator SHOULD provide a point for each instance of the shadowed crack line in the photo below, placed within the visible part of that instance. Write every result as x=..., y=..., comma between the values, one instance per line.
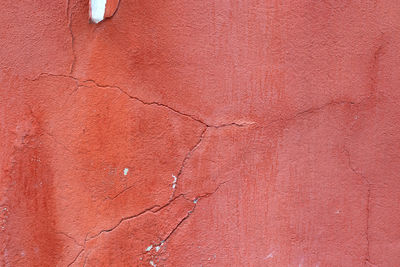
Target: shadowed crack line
x=120, y=193
x=76, y=257
x=153, y=209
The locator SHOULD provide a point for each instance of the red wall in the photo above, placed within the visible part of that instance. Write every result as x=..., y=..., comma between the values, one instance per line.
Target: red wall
x=279, y=119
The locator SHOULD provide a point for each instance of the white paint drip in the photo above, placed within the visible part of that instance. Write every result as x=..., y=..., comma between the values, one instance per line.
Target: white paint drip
x=126, y=170
x=98, y=9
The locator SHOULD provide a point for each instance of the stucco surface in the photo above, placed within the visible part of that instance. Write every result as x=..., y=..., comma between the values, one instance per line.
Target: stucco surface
x=200, y=133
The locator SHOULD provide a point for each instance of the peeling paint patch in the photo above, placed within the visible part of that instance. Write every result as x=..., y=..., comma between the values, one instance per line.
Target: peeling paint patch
x=126, y=170
x=97, y=10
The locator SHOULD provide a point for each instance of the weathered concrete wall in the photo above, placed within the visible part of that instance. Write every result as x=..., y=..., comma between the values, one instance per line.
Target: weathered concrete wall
x=200, y=133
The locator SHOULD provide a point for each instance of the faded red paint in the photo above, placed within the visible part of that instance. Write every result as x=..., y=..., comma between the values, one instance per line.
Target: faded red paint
x=280, y=121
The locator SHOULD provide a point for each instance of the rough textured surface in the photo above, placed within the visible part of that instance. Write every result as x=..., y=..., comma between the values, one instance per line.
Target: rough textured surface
x=200, y=133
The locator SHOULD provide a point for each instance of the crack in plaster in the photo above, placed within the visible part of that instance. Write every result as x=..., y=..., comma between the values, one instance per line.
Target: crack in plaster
x=190, y=212
x=170, y=108
x=153, y=209
x=232, y=124
x=186, y=158
x=69, y=16
x=120, y=193
x=76, y=257
x=157, y=208
x=373, y=88
x=70, y=237
x=368, y=204
x=201, y=121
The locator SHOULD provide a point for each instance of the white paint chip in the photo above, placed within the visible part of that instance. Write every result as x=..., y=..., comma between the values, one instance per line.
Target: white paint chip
x=270, y=255
x=175, y=180
x=157, y=248
x=149, y=248
x=98, y=8
x=152, y=263
x=126, y=170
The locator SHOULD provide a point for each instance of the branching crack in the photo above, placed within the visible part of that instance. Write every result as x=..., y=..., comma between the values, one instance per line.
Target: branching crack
x=190, y=212
x=170, y=108
x=154, y=103
x=153, y=209
x=157, y=208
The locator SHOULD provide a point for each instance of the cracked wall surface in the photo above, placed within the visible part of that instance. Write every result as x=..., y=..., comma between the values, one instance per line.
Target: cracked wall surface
x=200, y=133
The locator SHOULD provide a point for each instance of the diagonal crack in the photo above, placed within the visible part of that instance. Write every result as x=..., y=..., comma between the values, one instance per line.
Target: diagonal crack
x=153, y=209
x=186, y=158
x=120, y=193
x=76, y=257
x=70, y=237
